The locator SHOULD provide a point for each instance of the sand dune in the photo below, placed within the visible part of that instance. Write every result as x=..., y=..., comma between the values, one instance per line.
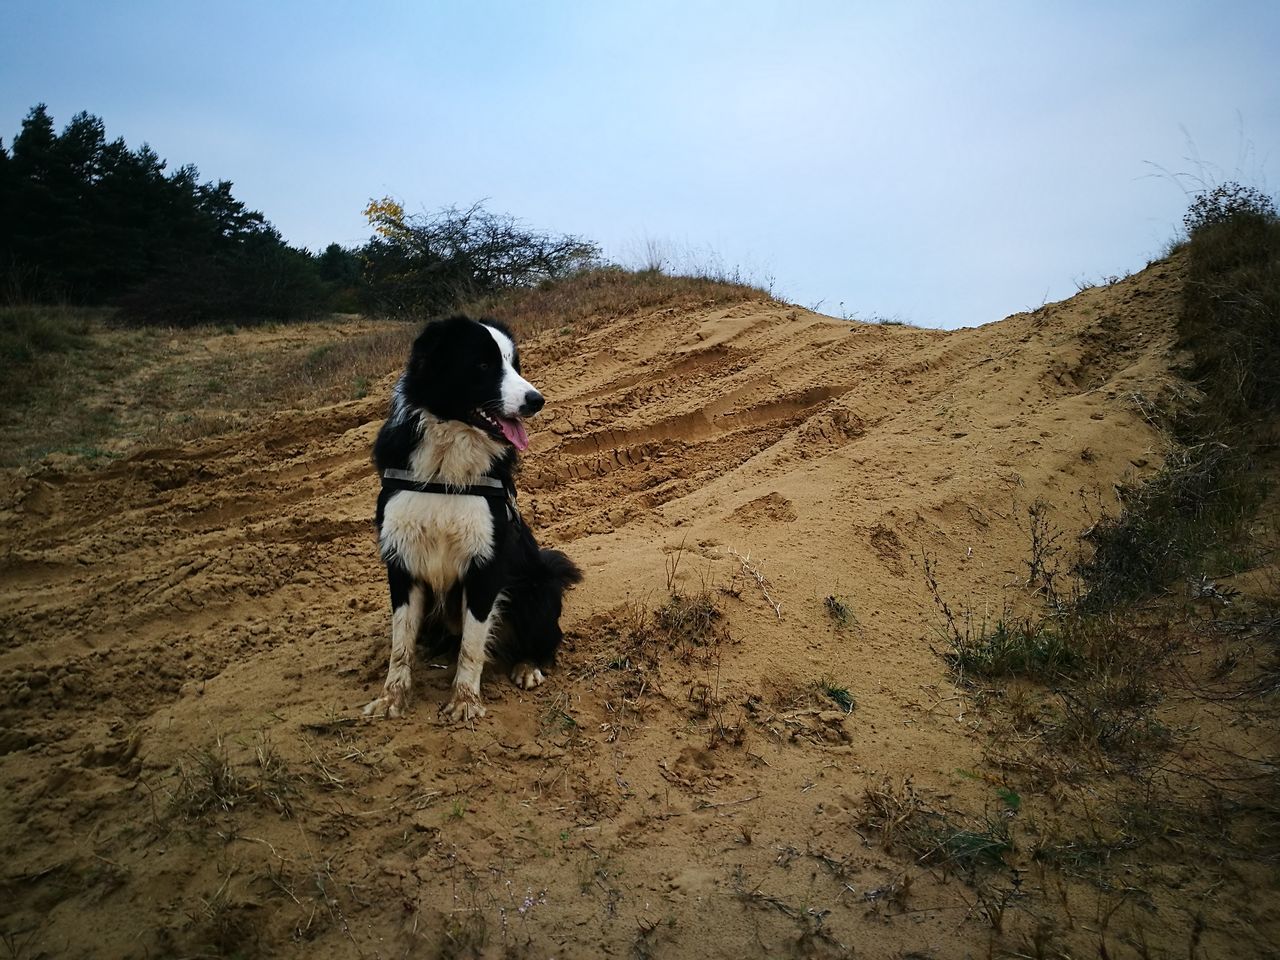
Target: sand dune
x=646, y=801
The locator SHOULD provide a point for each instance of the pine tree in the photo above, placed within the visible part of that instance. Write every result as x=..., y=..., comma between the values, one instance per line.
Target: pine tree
x=95, y=222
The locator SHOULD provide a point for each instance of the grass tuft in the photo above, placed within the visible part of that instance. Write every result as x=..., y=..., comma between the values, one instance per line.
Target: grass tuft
x=840, y=610
x=209, y=781
x=687, y=622
x=1026, y=648
x=837, y=693
x=28, y=333
x=36, y=341
x=1204, y=495
x=905, y=821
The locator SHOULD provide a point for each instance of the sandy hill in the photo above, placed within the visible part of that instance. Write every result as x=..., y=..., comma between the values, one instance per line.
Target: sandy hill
x=188, y=633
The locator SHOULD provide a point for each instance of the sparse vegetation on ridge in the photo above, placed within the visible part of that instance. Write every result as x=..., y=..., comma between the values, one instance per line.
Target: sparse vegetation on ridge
x=1077, y=692
x=606, y=292
x=1209, y=487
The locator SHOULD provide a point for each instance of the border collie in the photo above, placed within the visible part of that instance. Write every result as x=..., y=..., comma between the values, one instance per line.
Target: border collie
x=464, y=569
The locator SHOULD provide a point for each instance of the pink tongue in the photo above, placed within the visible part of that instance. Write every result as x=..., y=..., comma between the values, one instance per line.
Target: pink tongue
x=513, y=430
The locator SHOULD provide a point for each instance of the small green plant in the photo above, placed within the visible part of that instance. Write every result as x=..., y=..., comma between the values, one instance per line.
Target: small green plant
x=1025, y=648
x=838, y=693
x=317, y=355
x=1011, y=647
x=1010, y=798
x=984, y=843
x=840, y=610
x=91, y=453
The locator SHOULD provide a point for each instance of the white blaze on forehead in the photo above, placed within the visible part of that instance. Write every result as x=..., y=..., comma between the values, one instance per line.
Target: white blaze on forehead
x=514, y=386
x=504, y=342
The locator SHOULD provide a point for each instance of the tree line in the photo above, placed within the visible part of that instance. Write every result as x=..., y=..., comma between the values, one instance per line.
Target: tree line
x=88, y=220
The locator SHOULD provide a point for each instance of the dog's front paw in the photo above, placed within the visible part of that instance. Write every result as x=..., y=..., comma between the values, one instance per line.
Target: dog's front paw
x=390, y=704
x=526, y=676
x=464, y=706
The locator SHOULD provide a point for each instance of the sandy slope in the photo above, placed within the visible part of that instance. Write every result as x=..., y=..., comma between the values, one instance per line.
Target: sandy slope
x=230, y=589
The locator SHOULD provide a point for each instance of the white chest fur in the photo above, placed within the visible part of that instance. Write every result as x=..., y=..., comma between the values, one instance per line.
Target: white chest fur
x=452, y=452
x=436, y=536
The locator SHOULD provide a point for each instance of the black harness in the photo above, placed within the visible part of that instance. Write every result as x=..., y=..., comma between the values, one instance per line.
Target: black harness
x=492, y=487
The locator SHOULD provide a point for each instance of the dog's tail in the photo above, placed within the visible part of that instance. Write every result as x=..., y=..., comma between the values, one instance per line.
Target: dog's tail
x=559, y=568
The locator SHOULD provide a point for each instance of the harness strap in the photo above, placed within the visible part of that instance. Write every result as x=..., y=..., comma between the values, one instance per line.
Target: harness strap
x=393, y=479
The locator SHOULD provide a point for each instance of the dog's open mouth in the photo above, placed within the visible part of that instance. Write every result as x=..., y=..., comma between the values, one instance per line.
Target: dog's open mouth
x=510, y=429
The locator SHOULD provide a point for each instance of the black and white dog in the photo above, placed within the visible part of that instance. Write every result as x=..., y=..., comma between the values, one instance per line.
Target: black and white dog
x=464, y=569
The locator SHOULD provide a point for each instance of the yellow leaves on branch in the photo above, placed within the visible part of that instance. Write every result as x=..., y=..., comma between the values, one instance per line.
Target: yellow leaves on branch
x=386, y=216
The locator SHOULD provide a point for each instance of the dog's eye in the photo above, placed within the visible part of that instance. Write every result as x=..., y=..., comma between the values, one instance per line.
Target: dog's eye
x=483, y=365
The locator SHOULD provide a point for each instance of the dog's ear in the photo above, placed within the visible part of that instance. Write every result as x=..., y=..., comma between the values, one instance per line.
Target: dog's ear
x=424, y=347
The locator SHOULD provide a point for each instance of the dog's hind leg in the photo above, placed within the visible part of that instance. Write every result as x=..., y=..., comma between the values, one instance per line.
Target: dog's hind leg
x=532, y=617
x=480, y=615
x=408, y=604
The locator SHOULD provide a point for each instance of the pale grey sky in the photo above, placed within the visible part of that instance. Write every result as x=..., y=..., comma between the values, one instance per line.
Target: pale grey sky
x=945, y=163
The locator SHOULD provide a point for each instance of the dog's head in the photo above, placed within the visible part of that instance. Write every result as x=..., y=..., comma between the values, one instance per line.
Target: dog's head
x=469, y=370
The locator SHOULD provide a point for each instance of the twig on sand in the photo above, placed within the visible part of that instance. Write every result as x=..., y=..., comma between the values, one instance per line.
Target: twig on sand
x=705, y=805
x=756, y=574
x=326, y=726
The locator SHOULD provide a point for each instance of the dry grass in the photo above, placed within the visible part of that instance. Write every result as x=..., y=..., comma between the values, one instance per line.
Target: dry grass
x=208, y=780
x=907, y=822
x=1118, y=706
x=643, y=654
x=346, y=368
x=87, y=388
x=978, y=849
x=688, y=624
x=82, y=386
x=606, y=293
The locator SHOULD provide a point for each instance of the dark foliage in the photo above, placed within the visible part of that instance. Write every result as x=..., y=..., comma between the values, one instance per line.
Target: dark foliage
x=1227, y=203
x=429, y=263
x=1231, y=313
x=260, y=279
x=1209, y=486
x=84, y=220
x=1203, y=497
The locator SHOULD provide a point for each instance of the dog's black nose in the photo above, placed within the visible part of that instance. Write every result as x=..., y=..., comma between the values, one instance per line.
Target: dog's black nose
x=532, y=403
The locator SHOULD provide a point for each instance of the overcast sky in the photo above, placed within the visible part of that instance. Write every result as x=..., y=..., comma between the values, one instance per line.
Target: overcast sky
x=945, y=163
